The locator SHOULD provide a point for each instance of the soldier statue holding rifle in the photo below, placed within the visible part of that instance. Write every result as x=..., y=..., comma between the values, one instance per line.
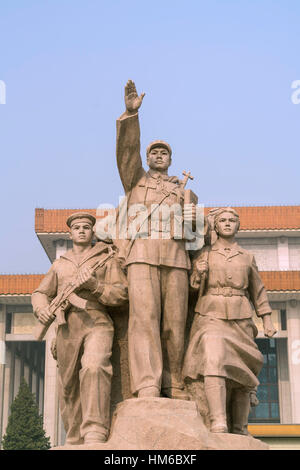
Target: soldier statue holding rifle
x=75, y=291
x=157, y=261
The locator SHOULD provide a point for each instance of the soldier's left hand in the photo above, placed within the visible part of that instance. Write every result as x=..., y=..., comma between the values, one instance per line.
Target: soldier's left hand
x=87, y=279
x=254, y=401
x=269, y=329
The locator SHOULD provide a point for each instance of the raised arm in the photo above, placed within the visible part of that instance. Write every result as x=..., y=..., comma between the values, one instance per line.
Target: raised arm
x=128, y=139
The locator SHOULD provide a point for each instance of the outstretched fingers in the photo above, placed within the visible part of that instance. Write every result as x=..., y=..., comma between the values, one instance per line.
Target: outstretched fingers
x=130, y=88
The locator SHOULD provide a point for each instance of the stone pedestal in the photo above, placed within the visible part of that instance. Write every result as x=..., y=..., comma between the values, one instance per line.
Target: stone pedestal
x=165, y=424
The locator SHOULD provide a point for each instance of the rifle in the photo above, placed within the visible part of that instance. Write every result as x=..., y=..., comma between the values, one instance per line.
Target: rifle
x=68, y=293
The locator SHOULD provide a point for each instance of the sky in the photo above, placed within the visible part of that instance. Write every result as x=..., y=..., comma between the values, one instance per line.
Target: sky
x=218, y=78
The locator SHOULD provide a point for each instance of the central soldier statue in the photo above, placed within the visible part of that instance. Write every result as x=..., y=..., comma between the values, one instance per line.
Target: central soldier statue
x=157, y=264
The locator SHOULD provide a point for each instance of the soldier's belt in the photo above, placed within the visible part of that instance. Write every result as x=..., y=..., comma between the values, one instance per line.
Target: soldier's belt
x=226, y=291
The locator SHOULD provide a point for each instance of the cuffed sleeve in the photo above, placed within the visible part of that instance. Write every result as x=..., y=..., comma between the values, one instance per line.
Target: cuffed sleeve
x=46, y=291
x=257, y=292
x=115, y=291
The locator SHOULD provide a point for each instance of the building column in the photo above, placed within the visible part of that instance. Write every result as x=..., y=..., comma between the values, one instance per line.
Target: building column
x=7, y=389
x=283, y=253
x=50, y=390
x=51, y=406
x=293, y=329
x=2, y=365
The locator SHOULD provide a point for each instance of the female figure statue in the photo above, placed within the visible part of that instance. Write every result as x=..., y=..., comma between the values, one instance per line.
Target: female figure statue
x=222, y=350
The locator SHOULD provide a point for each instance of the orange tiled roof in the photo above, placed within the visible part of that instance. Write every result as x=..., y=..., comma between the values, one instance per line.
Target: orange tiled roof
x=252, y=218
x=269, y=217
x=19, y=283
x=54, y=220
x=281, y=280
x=26, y=283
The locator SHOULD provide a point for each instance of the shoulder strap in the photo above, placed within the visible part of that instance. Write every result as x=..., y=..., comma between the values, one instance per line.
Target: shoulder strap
x=149, y=213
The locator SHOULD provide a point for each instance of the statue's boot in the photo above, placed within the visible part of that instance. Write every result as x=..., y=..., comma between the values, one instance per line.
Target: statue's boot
x=215, y=390
x=240, y=411
x=95, y=437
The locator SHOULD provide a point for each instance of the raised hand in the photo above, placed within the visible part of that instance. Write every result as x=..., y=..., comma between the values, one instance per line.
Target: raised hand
x=132, y=100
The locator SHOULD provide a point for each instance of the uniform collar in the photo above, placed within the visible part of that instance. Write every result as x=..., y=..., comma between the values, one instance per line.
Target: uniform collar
x=93, y=251
x=235, y=249
x=156, y=175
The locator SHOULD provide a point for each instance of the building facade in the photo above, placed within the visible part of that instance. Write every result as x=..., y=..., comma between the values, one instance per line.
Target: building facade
x=271, y=233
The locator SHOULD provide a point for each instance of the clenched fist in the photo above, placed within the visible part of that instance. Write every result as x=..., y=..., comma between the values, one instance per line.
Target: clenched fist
x=45, y=316
x=202, y=267
x=269, y=329
x=87, y=279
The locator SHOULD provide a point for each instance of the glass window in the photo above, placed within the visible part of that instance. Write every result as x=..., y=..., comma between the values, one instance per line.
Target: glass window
x=268, y=409
x=274, y=410
x=262, y=411
x=262, y=393
x=8, y=323
x=273, y=392
x=263, y=376
x=283, y=319
x=272, y=375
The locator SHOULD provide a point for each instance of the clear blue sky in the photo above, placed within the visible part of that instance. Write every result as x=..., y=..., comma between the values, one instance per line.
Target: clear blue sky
x=217, y=77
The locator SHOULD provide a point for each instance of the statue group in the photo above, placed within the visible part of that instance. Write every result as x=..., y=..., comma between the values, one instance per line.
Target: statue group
x=155, y=272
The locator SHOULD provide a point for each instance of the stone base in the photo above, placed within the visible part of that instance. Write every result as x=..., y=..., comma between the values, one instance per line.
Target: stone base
x=165, y=424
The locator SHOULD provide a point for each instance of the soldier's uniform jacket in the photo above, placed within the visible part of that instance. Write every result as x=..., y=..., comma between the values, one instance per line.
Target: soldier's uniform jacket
x=66, y=268
x=232, y=282
x=147, y=188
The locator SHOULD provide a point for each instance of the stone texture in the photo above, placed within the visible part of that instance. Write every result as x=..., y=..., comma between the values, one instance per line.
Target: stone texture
x=164, y=424
x=120, y=387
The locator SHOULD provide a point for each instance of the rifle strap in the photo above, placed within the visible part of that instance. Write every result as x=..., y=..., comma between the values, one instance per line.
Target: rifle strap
x=150, y=212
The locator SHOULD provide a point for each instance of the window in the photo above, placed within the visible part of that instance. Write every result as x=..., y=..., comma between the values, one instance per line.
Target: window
x=268, y=409
x=283, y=319
x=8, y=323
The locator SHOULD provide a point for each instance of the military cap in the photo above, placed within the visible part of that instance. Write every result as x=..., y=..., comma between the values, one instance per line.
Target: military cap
x=159, y=143
x=82, y=216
